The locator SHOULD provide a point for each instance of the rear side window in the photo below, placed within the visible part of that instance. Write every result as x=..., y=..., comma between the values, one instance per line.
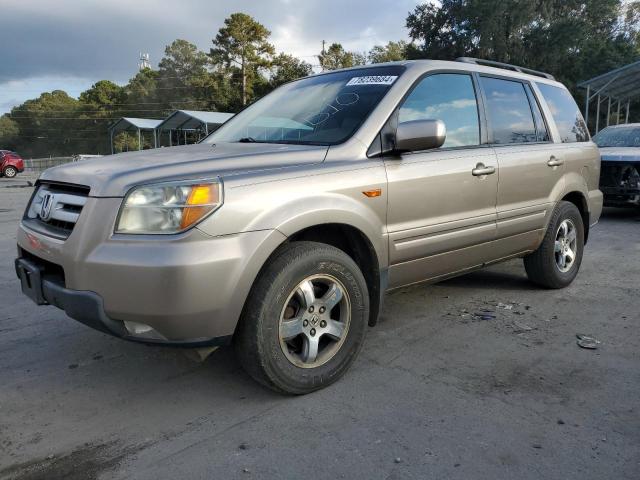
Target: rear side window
x=509, y=111
x=449, y=97
x=566, y=114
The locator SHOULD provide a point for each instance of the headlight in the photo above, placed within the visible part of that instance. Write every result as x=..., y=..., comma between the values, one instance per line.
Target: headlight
x=170, y=207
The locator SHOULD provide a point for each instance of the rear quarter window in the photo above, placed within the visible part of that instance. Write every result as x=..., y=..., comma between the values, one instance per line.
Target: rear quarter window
x=565, y=113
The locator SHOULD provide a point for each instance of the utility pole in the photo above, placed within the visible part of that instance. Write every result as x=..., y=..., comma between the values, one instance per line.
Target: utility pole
x=323, y=53
x=144, y=61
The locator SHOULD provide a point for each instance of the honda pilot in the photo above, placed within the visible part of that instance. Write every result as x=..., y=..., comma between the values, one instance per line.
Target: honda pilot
x=281, y=232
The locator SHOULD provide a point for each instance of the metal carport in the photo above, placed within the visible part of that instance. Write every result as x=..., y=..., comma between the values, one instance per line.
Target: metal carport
x=139, y=125
x=620, y=86
x=192, y=120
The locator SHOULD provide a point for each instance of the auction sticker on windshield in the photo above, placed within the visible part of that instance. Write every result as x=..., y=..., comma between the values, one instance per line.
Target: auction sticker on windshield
x=373, y=80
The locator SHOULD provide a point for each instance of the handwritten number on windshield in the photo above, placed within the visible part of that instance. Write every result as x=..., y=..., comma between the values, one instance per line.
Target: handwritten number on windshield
x=342, y=100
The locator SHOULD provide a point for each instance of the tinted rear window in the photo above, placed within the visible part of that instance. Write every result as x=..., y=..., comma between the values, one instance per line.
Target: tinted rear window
x=566, y=114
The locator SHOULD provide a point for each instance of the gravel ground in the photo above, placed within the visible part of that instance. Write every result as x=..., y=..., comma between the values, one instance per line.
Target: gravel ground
x=436, y=393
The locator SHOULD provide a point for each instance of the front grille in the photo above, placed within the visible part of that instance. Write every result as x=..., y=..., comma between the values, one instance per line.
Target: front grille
x=55, y=208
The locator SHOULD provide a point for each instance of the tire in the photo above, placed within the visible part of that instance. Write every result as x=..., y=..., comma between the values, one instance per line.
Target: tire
x=544, y=266
x=280, y=305
x=10, y=172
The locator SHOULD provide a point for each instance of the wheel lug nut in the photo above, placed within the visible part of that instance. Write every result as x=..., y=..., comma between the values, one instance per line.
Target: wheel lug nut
x=305, y=323
x=322, y=309
x=313, y=332
x=323, y=324
x=311, y=309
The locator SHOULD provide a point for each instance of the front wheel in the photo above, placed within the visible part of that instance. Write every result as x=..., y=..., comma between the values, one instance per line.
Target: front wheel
x=10, y=172
x=305, y=320
x=556, y=262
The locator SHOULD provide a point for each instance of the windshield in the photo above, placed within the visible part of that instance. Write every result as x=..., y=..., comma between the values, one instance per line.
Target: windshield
x=618, y=137
x=322, y=110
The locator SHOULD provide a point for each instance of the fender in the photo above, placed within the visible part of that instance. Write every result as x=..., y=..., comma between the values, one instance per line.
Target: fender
x=575, y=182
x=326, y=208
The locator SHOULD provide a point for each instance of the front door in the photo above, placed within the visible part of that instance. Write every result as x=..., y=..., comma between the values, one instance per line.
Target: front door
x=442, y=202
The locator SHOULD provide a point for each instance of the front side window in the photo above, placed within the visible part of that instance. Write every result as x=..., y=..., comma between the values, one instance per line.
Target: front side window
x=509, y=111
x=449, y=97
x=566, y=114
x=618, y=137
x=320, y=110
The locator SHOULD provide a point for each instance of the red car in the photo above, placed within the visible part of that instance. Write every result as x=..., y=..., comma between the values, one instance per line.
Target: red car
x=10, y=163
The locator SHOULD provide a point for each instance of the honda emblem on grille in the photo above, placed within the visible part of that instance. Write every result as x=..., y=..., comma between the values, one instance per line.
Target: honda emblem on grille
x=47, y=206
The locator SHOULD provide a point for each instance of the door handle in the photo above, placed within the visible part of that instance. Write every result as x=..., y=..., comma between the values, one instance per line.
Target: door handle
x=481, y=170
x=555, y=162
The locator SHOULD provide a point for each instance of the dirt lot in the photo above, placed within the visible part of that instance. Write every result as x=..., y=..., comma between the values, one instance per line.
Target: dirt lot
x=437, y=392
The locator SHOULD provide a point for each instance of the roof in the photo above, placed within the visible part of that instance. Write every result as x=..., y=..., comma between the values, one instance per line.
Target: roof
x=129, y=123
x=478, y=65
x=622, y=83
x=191, y=119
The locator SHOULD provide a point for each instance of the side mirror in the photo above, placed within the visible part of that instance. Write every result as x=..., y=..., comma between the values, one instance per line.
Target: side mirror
x=419, y=135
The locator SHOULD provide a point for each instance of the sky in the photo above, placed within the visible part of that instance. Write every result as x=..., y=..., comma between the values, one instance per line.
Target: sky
x=64, y=44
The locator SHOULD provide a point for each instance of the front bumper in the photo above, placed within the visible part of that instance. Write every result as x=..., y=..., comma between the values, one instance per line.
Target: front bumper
x=190, y=288
x=87, y=307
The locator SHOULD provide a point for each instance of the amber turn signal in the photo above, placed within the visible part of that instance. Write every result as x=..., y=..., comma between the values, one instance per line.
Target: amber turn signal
x=373, y=193
x=202, y=199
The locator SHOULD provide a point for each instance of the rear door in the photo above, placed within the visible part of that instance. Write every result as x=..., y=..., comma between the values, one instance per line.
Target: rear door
x=530, y=168
x=440, y=207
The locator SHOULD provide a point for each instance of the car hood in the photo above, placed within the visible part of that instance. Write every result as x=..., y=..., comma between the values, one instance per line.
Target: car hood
x=114, y=175
x=620, y=154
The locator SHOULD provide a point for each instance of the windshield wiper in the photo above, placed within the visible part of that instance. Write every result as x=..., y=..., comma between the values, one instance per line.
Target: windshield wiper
x=281, y=142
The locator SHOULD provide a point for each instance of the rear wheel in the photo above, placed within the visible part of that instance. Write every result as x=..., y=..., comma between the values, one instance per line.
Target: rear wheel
x=10, y=172
x=305, y=320
x=556, y=262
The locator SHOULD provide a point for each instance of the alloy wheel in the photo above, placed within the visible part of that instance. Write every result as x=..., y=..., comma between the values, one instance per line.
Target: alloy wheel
x=314, y=321
x=565, y=247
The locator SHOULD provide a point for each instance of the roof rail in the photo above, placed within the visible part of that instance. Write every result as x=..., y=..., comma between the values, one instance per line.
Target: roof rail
x=507, y=66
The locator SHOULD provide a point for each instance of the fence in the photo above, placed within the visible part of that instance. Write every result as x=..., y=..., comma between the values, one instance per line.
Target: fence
x=36, y=166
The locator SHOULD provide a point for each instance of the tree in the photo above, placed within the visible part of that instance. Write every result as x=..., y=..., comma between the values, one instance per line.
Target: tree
x=49, y=123
x=97, y=107
x=243, y=42
x=286, y=68
x=103, y=93
x=183, y=60
x=9, y=131
x=183, y=77
x=573, y=39
x=336, y=57
x=391, y=52
x=142, y=88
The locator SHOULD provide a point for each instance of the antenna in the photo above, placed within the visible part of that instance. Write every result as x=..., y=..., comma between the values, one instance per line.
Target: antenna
x=144, y=61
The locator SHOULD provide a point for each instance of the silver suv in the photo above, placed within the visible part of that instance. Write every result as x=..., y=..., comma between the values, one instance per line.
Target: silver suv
x=281, y=231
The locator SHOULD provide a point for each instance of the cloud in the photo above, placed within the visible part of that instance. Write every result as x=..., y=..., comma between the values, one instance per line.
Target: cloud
x=119, y=29
x=435, y=111
x=91, y=40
